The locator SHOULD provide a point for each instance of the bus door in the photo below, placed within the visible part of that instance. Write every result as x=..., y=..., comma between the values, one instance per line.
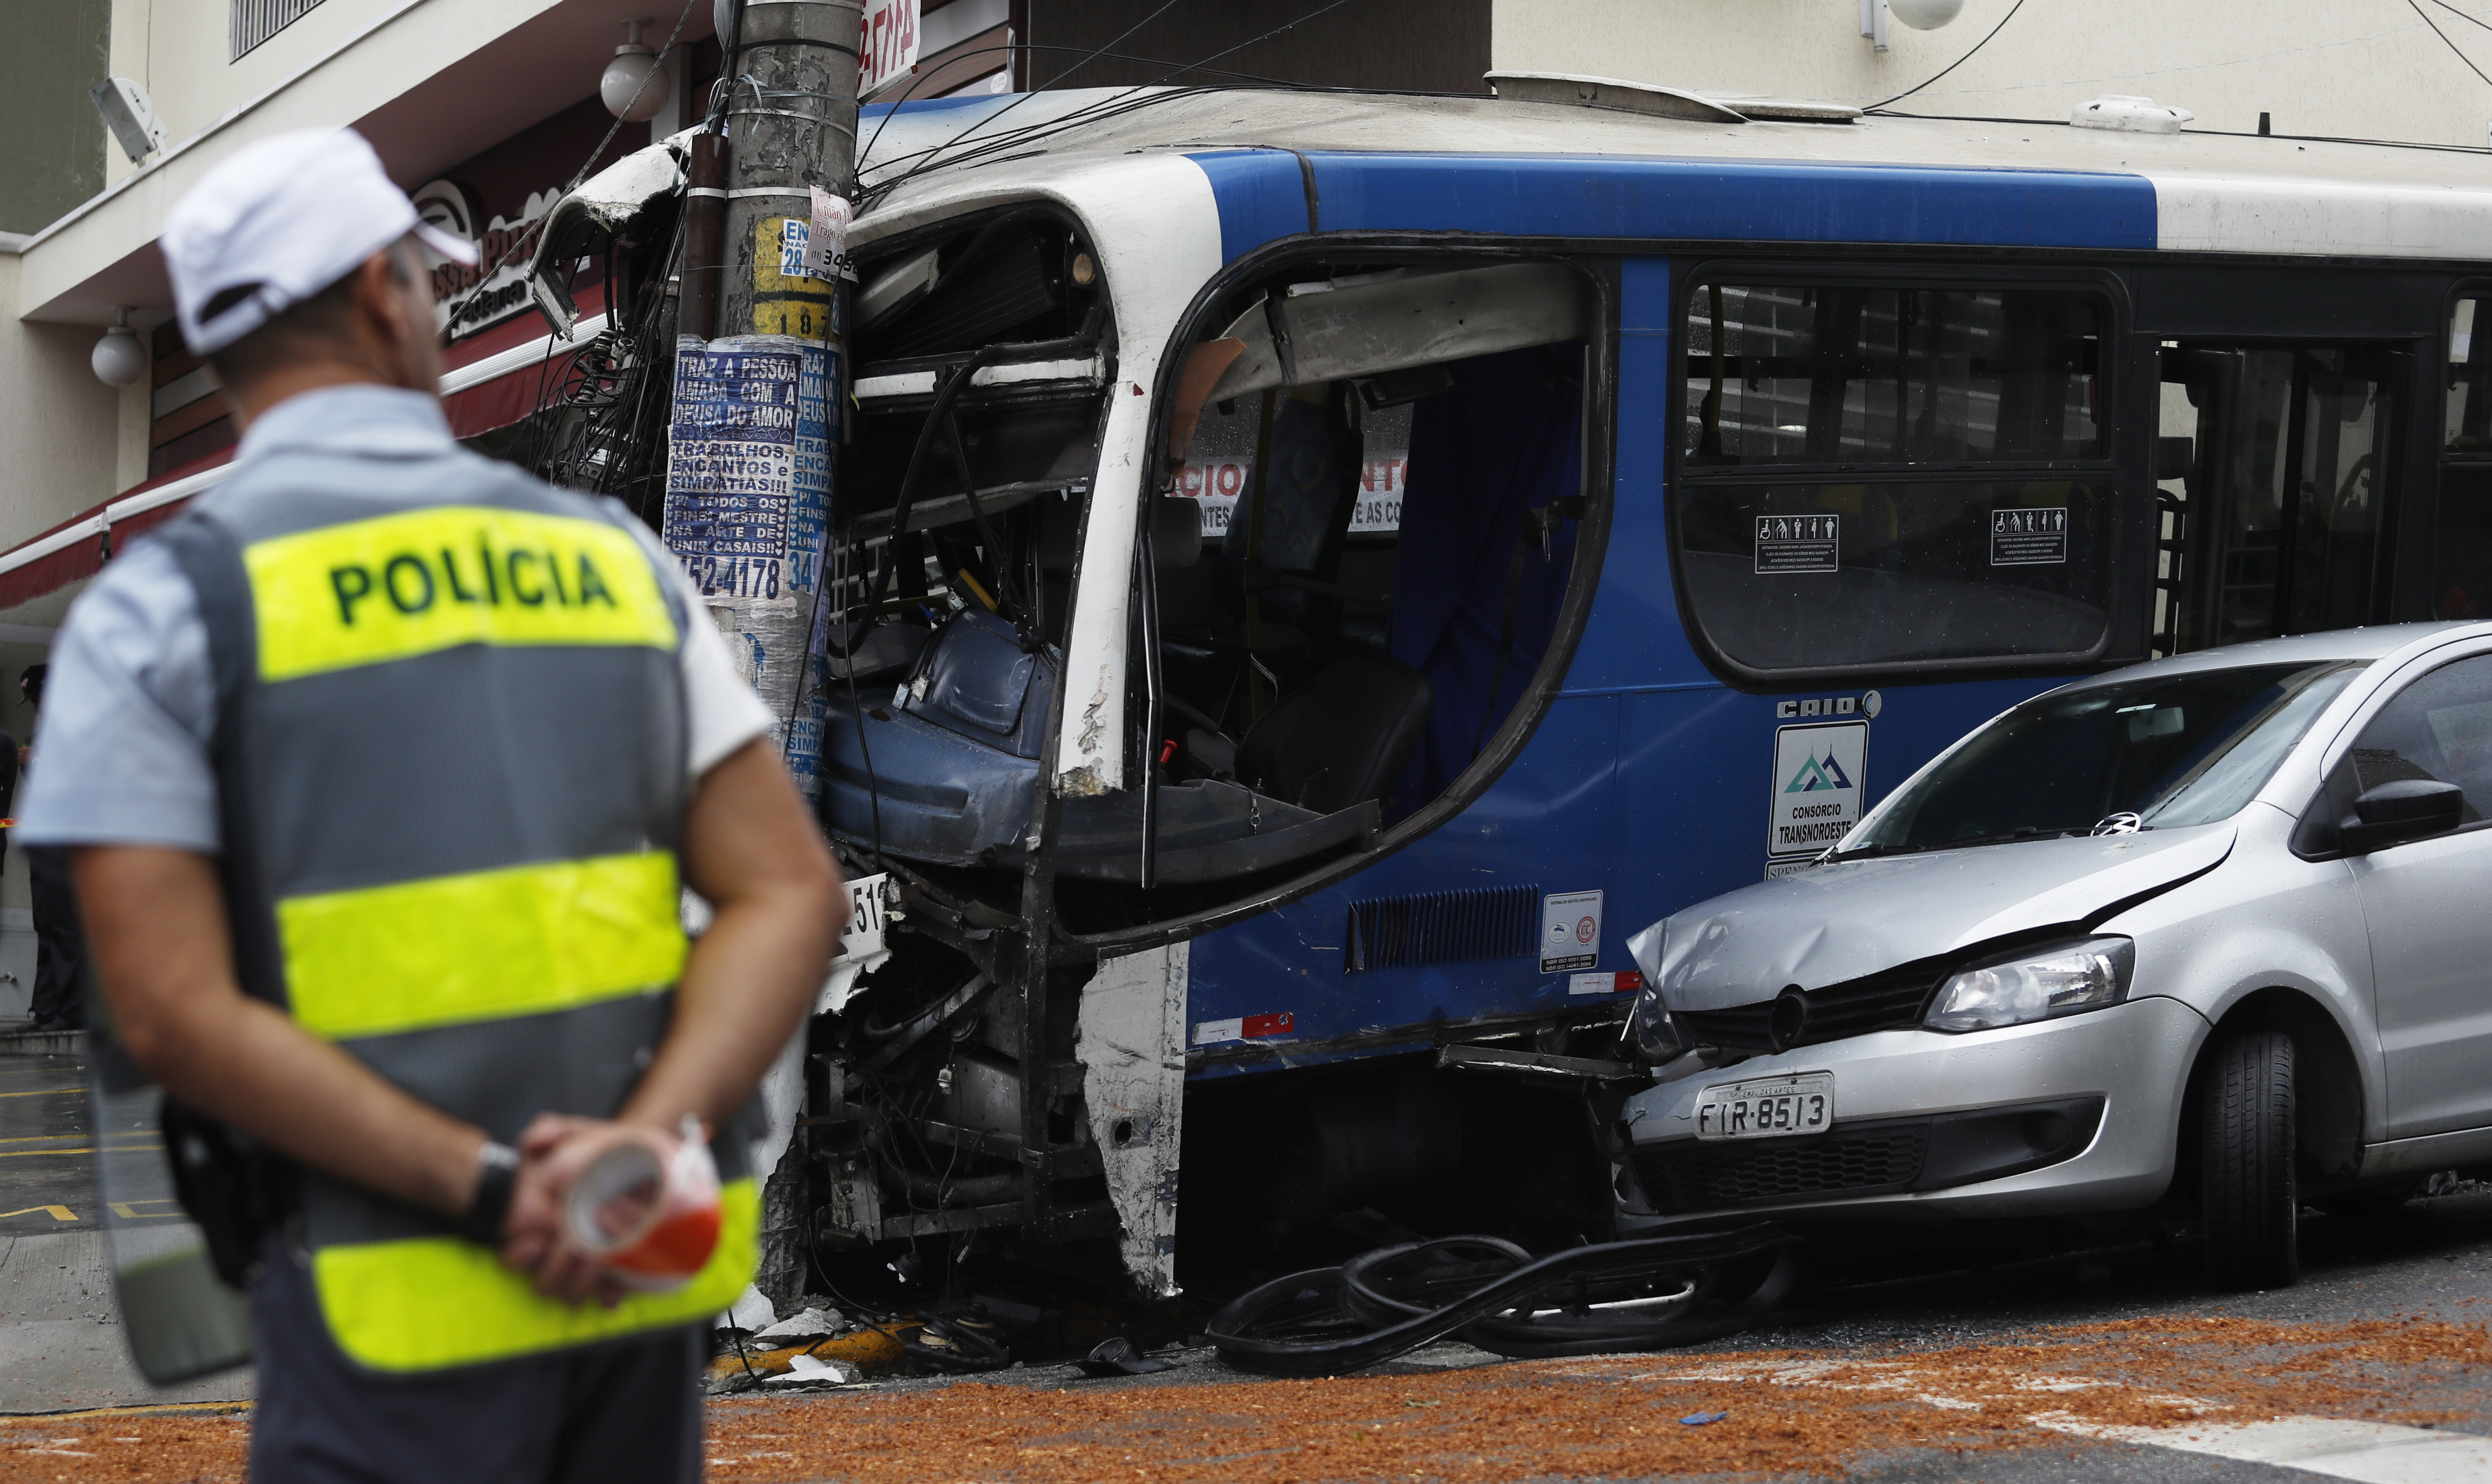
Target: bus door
x=2278, y=475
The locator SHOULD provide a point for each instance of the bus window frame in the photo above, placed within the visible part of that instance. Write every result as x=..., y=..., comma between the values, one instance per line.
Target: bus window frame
x=2124, y=363
x=1599, y=265
x=2414, y=590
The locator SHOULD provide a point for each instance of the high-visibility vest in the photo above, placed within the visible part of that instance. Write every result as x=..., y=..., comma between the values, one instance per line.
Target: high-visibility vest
x=450, y=748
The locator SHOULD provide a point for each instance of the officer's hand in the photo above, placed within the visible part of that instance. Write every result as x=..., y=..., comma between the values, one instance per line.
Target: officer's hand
x=552, y=1152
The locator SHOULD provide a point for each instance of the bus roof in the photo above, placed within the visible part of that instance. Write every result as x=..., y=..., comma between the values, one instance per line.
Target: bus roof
x=1385, y=153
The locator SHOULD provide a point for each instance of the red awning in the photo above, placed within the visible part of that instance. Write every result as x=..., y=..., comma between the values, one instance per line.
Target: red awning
x=493, y=380
x=77, y=547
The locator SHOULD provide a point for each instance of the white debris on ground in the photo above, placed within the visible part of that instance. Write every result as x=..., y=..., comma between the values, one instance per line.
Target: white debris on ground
x=802, y=1325
x=807, y=1372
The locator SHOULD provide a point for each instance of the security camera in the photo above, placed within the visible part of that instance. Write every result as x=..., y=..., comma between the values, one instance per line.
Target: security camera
x=130, y=116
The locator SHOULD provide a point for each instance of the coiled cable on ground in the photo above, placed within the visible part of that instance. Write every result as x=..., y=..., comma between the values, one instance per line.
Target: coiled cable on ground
x=1650, y=1294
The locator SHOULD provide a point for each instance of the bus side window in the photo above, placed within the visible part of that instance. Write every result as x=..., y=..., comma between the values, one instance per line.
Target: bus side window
x=1876, y=475
x=2462, y=545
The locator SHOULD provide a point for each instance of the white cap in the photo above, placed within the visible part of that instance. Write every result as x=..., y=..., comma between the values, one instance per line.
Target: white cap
x=283, y=218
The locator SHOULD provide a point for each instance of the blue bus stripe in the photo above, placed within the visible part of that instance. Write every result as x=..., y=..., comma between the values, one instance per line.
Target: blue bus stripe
x=1261, y=198
x=1261, y=194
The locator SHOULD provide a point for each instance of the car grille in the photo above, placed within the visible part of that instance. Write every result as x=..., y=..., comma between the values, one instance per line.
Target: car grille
x=1889, y=1000
x=1685, y=1175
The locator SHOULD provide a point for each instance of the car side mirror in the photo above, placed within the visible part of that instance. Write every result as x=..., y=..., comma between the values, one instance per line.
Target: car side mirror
x=2408, y=809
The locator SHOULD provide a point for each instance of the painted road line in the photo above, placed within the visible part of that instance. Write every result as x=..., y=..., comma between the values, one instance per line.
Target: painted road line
x=2374, y=1452
x=122, y=1209
x=43, y=1093
x=59, y=1212
x=119, y=1148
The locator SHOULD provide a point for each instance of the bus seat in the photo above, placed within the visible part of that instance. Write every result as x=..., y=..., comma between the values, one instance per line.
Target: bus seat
x=1341, y=738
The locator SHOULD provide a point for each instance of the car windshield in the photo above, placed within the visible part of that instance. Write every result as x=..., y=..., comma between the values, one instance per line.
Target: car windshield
x=2185, y=749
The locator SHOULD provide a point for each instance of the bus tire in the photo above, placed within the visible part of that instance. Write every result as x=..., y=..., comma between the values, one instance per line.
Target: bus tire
x=2249, y=1208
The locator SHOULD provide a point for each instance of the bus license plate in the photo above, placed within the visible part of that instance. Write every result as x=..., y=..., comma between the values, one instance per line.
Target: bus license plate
x=1766, y=1110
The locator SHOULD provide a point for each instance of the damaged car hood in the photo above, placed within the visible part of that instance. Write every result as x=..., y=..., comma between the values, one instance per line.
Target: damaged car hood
x=1837, y=923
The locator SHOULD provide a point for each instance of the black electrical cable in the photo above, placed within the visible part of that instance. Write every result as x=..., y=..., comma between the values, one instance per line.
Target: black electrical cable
x=1485, y=1290
x=1017, y=101
x=1952, y=66
x=526, y=238
x=1321, y=10
x=2462, y=15
x=857, y=707
x=2425, y=16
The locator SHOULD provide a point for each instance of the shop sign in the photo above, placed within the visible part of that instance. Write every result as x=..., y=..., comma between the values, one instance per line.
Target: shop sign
x=496, y=287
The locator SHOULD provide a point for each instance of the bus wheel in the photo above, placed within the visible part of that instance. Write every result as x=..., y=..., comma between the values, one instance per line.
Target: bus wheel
x=2249, y=1207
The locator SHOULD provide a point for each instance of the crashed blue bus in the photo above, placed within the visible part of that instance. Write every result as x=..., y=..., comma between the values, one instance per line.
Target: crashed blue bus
x=1315, y=573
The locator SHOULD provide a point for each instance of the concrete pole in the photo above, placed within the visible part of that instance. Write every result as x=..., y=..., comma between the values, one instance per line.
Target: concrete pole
x=792, y=118
x=790, y=125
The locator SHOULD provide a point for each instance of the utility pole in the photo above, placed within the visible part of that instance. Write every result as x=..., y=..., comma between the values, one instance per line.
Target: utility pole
x=757, y=542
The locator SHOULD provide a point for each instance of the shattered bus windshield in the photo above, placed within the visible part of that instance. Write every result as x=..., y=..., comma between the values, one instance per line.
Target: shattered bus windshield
x=1350, y=564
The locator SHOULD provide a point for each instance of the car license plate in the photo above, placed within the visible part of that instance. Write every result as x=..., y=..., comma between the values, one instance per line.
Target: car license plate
x=1763, y=1110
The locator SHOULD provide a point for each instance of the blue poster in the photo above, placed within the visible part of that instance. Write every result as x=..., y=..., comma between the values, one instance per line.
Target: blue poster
x=748, y=464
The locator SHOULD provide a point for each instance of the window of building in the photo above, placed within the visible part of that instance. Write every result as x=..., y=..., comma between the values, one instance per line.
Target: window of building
x=256, y=20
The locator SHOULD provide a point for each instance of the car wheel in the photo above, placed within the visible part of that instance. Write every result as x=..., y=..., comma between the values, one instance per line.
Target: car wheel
x=2247, y=1204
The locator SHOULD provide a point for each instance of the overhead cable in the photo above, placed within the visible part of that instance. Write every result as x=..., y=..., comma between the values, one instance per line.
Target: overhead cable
x=1952, y=66
x=525, y=239
x=2425, y=17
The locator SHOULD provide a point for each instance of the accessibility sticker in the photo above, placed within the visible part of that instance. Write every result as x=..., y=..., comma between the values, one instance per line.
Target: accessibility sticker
x=1820, y=775
x=1570, y=932
x=2028, y=537
x=1799, y=543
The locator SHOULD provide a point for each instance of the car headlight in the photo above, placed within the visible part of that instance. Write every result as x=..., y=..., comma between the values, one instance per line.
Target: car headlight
x=2036, y=986
x=1651, y=1030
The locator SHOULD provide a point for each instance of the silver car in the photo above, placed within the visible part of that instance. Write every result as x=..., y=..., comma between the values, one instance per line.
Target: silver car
x=2212, y=933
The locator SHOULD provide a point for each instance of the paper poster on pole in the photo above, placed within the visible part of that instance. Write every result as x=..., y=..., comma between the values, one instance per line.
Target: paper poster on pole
x=747, y=508
x=748, y=464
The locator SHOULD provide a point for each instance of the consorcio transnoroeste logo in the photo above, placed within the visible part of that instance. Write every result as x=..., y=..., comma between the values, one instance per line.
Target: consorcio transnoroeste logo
x=1817, y=773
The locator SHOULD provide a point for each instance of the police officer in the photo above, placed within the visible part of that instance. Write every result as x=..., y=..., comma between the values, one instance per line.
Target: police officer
x=380, y=768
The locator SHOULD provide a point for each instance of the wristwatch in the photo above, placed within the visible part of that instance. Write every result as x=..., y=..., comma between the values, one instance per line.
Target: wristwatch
x=497, y=1172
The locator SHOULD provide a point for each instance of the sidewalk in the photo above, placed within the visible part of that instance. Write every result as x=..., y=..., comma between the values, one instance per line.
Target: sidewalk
x=61, y=1348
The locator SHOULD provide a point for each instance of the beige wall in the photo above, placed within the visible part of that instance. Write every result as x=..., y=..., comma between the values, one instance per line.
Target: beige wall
x=2369, y=70
x=61, y=430
x=180, y=52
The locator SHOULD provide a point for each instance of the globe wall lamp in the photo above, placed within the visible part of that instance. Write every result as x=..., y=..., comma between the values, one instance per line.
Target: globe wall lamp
x=633, y=88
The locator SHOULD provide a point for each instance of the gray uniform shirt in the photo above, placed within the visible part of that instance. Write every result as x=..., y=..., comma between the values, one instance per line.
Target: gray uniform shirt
x=130, y=701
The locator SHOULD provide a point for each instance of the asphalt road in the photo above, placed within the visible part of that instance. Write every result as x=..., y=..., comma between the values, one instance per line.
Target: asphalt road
x=48, y=1153
x=2377, y=1367
x=2113, y=1366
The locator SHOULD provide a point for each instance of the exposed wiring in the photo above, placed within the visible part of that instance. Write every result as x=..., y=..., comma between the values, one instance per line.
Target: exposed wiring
x=1651, y=1292
x=2425, y=16
x=1952, y=65
x=525, y=239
